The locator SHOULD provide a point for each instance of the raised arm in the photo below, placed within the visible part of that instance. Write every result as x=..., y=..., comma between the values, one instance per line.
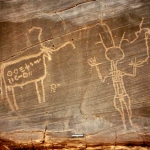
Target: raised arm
x=135, y=65
x=92, y=62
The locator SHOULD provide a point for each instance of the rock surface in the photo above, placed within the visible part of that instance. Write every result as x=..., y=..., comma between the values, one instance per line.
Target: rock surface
x=75, y=67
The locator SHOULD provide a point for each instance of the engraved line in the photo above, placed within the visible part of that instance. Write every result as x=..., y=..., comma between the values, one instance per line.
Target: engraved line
x=14, y=98
x=6, y=92
x=128, y=108
x=43, y=90
x=122, y=39
x=64, y=46
x=123, y=117
x=102, y=42
x=8, y=100
x=104, y=24
x=37, y=90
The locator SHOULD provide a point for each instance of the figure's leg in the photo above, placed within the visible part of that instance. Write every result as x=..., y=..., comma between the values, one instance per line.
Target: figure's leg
x=8, y=100
x=43, y=90
x=38, y=93
x=14, y=98
x=118, y=105
x=128, y=108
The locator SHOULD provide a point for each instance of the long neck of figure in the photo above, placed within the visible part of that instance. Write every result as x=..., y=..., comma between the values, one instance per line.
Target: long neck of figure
x=114, y=66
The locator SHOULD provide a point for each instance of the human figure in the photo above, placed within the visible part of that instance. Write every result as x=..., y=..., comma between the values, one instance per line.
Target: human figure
x=121, y=97
x=115, y=54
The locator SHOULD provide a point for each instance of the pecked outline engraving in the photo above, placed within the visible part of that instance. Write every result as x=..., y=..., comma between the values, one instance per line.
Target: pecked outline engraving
x=121, y=97
x=45, y=52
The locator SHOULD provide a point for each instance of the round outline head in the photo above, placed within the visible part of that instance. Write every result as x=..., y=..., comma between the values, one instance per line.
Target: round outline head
x=114, y=54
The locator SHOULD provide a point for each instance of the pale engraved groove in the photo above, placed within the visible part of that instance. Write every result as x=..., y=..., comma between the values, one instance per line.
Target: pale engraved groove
x=8, y=100
x=147, y=33
x=14, y=98
x=104, y=24
x=43, y=90
x=45, y=52
x=122, y=39
x=38, y=94
x=121, y=97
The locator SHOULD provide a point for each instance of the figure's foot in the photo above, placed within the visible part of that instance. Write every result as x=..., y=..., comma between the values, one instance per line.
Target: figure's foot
x=132, y=127
x=135, y=126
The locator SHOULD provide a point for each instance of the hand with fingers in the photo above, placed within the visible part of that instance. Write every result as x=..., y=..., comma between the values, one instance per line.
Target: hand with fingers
x=135, y=63
x=92, y=62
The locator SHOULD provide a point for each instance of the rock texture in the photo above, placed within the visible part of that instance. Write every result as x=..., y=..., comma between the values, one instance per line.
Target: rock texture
x=75, y=67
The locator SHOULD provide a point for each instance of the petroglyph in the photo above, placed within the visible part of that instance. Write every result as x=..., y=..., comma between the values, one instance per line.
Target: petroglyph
x=115, y=54
x=28, y=69
x=54, y=87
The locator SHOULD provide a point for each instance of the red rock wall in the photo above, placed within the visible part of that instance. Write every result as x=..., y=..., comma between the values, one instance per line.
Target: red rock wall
x=74, y=68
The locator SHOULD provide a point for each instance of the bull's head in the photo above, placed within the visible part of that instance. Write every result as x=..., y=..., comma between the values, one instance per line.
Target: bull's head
x=47, y=51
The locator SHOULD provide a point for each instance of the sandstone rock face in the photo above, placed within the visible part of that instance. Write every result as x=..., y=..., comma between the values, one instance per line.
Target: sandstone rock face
x=74, y=67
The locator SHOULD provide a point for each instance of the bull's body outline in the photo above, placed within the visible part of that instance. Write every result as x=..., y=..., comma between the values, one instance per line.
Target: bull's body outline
x=11, y=88
x=46, y=52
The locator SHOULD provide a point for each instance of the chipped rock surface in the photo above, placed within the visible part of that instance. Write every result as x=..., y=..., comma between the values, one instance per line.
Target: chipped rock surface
x=75, y=68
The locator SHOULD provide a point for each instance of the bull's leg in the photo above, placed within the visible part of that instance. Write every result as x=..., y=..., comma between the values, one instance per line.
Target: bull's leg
x=118, y=105
x=8, y=100
x=43, y=90
x=14, y=98
x=38, y=93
